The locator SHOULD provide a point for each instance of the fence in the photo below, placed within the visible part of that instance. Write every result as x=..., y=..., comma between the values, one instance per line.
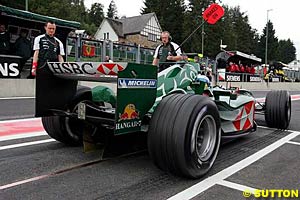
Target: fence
x=239, y=77
x=293, y=74
x=81, y=49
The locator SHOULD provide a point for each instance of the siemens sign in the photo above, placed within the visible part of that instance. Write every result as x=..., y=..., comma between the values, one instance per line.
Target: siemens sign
x=137, y=83
x=231, y=77
x=9, y=66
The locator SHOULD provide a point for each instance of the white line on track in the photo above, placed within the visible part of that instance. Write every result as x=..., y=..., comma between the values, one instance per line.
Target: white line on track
x=26, y=144
x=21, y=136
x=196, y=189
x=291, y=142
x=2, y=187
x=271, y=129
x=236, y=186
x=12, y=98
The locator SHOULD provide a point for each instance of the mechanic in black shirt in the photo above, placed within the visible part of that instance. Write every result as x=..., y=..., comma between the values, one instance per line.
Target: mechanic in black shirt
x=47, y=48
x=166, y=53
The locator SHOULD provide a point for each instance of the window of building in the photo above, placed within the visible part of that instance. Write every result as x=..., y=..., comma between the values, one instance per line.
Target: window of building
x=106, y=36
x=152, y=37
x=151, y=30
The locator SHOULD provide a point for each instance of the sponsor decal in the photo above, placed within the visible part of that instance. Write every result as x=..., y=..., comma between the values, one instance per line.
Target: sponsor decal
x=130, y=124
x=137, y=83
x=88, y=68
x=129, y=113
x=129, y=118
x=233, y=78
x=9, y=70
x=255, y=79
x=244, y=120
x=275, y=79
x=110, y=68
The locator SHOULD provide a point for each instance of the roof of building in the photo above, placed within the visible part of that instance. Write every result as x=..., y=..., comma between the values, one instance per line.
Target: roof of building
x=117, y=26
x=130, y=25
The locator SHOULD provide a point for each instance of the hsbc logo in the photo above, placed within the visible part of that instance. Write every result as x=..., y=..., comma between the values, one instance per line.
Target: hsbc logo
x=85, y=68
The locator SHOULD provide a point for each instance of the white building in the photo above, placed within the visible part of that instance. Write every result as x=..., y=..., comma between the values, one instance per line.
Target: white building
x=295, y=65
x=144, y=30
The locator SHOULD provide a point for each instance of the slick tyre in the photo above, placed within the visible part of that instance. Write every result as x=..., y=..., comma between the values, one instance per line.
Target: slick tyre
x=278, y=109
x=64, y=129
x=184, y=135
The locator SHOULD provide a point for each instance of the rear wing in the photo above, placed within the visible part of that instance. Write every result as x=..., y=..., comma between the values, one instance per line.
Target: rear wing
x=136, y=89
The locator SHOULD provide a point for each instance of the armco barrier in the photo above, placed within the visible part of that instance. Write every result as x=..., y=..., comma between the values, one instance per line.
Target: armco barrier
x=17, y=88
x=26, y=87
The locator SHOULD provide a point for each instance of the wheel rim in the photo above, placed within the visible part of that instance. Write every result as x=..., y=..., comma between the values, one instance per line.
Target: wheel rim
x=205, y=138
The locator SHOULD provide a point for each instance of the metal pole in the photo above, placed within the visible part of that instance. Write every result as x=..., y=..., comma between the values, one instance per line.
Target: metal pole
x=103, y=50
x=111, y=50
x=190, y=35
x=267, y=32
x=138, y=54
x=202, y=34
x=26, y=5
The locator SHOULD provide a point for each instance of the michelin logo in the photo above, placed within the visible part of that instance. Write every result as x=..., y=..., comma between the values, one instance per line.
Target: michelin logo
x=137, y=83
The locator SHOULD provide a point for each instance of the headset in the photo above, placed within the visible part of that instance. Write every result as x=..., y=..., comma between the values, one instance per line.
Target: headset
x=170, y=37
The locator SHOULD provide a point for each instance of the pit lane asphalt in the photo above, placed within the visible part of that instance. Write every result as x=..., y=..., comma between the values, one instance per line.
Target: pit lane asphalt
x=135, y=177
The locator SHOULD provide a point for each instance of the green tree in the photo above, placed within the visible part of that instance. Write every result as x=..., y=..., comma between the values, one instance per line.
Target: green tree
x=96, y=14
x=19, y=4
x=272, y=52
x=170, y=14
x=286, y=51
x=74, y=10
x=64, y=9
x=112, y=11
x=193, y=19
x=243, y=32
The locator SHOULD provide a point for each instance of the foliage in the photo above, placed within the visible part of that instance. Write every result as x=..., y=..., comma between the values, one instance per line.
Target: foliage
x=282, y=50
x=112, y=10
x=272, y=53
x=286, y=51
x=19, y=4
x=233, y=29
x=96, y=14
x=170, y=14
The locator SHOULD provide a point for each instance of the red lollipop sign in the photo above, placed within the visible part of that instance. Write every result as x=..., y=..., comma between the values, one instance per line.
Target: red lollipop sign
x=213, y=13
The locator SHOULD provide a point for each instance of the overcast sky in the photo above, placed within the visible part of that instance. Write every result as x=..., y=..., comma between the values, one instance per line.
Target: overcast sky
x=284, y=14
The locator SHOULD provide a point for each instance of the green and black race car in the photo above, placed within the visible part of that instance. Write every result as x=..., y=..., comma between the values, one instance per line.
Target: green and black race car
x=184, y=116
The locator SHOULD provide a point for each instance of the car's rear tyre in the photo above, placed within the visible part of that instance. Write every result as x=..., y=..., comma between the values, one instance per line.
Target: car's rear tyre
x=64, y=129
x=278, y=109
x=184, y=135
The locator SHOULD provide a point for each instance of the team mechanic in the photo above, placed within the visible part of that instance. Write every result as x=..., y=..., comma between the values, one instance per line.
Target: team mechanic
x=48, y=48
x=166, y=53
